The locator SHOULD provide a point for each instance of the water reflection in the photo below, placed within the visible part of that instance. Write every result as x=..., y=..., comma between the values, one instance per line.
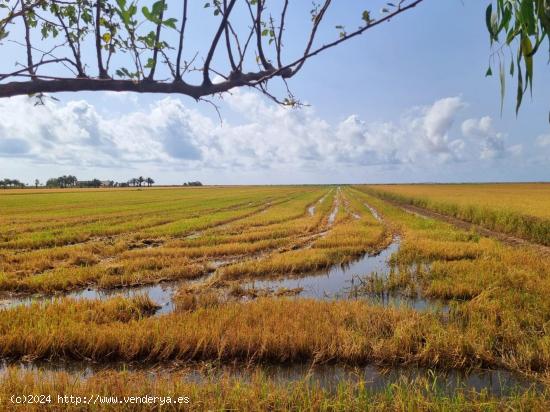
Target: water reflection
x=328, y=376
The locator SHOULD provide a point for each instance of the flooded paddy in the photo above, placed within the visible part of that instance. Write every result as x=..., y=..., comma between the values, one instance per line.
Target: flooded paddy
x=498, y=383
x=355, y=314
x=332, y=284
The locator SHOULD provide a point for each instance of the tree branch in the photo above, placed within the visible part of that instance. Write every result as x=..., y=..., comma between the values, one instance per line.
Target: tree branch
x=316, y=22
x=102, y=72
x=30, y=64
x=280, y=36
x=157, y=45
x=223, y=23
x=180, y=44
x=57, y=85
x=71, y=43
x=287, y=71
x=227, y=40
x=258, y=23
x=73, y=34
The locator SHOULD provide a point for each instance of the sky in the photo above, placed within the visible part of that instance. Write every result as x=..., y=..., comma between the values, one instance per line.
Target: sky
x=406, y=102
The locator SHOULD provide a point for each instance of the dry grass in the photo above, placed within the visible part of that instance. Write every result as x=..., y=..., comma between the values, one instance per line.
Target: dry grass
x=283, y=330
x=136, y=238
x=499, y=314
x=259, y=393
x=519, y=209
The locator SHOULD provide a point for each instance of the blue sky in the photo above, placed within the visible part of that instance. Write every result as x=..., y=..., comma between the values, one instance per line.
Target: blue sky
x=406, y=102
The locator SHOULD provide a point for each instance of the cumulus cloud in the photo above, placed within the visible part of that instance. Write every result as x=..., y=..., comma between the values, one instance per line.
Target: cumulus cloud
x=438, y=121
x=173, y=135
x=492, y=143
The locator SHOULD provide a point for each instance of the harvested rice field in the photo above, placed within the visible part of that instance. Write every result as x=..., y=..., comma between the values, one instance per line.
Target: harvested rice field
x=520, y=209
x=275, y=298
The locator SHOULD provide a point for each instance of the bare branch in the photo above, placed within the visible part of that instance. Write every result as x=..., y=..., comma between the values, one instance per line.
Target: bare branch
x=243, y=53
x=227, y=40
x=316, y=22
x=24, y=15
x=57, y=85
x=258, y=23
x=180, y=45
x=287, y=70
x=102, y=72
x=32, y=69
x=221, y=28
x=280, y=36
x=69, y=38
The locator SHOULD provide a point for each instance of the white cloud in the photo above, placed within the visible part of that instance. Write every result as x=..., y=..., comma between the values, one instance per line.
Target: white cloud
x=477, y=127
x=438, y=121
x=492, y=143
x=173, y=136
x=543, y=140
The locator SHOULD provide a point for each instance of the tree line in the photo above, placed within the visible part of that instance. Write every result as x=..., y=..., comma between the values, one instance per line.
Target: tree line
x=70, y=181
x=14, y=183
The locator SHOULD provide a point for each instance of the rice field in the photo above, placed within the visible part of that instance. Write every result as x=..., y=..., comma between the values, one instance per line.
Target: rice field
x=305, y=278
x=521, y=209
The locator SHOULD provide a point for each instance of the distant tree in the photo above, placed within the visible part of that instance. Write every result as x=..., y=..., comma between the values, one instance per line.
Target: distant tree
x=53, y=182
x=149, y=181
x=36, y=183
x=71, y=180
x=62, y=181
x=196, y=183
x=132, y=182
x=140, y=180
x=12, y=183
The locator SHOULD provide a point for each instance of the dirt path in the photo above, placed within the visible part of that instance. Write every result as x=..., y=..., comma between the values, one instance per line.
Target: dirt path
x=462, y=224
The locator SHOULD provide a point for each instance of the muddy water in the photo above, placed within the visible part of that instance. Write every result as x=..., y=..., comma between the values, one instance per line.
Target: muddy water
x=374, y=212
x=334, y=283
x=332, y=215
x=338, y=282
x=328, y=376
x=161, y=294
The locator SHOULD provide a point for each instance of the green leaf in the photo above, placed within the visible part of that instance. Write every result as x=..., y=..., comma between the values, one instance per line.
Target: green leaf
x=170, y=23
x=366, y=16
x=488, y=17
x=527, y=49
x=519, y=95
x=527, y=14
x=150, y=63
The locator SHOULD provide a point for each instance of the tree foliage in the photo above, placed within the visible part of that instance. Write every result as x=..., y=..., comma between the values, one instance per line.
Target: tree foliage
x=519, y=29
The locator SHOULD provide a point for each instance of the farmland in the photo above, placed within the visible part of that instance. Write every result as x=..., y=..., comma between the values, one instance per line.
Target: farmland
x=394, y=291
x=518, y=209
